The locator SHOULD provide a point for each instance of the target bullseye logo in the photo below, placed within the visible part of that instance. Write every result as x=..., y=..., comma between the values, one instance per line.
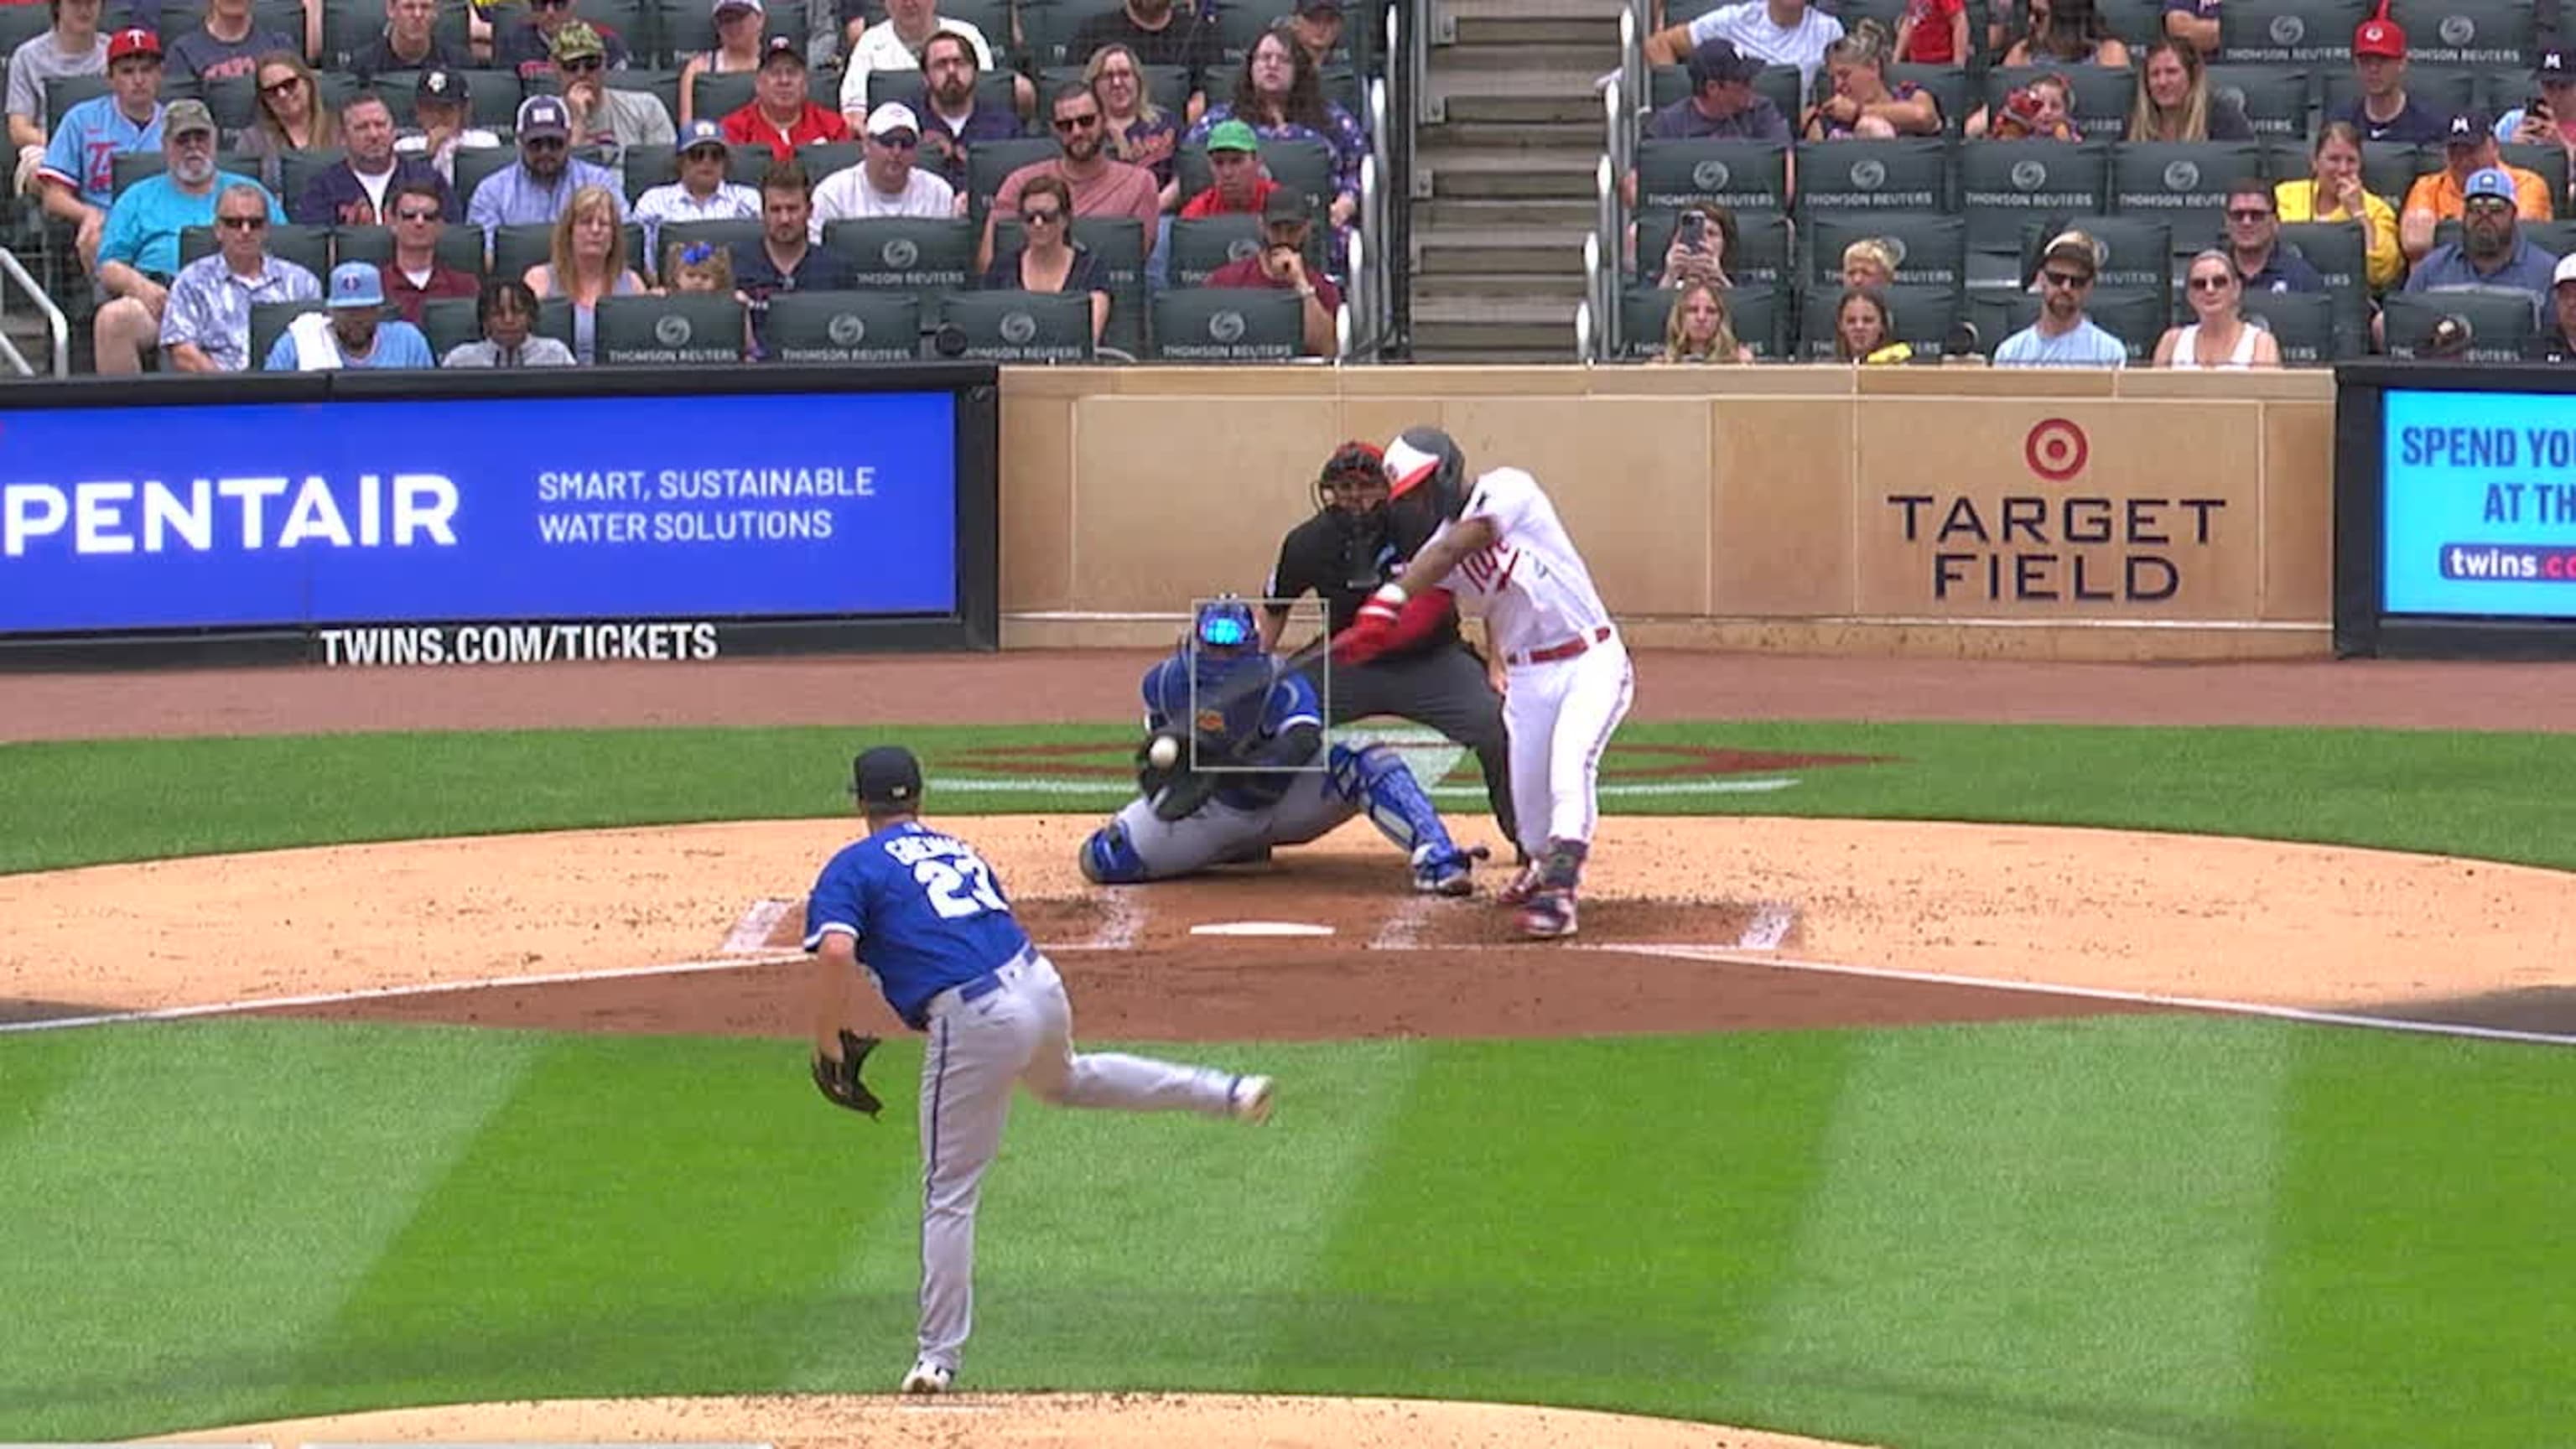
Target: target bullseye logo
x=2056, y=450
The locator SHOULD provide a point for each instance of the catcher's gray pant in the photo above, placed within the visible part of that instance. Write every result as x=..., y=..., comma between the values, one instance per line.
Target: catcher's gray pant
x=1217, y=832
x=1018, y=1027
x=1444, y=688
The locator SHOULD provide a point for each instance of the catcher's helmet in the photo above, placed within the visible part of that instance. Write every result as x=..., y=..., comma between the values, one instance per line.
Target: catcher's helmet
x=1428, y=459
x=1225, y=623
x=1356, y=468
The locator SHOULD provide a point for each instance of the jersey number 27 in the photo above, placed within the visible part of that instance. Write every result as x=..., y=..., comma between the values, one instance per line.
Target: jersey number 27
x=959, y=887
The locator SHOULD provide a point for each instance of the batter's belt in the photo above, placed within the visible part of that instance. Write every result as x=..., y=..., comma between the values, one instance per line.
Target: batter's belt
x=1567, y=650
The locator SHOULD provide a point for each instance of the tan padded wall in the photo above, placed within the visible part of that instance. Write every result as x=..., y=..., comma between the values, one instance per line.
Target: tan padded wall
x=1743, y=507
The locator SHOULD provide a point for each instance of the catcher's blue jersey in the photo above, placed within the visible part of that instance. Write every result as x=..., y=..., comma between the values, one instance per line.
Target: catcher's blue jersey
x=1179, y=700
x=927, y=912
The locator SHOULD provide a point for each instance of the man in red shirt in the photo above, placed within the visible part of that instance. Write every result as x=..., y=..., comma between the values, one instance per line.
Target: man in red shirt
x=782, y=115
x=1281, y=266
x=1234, y=154
x=1102, y=186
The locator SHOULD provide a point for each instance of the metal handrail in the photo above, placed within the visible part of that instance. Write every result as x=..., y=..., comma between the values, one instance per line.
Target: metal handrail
x=1635, y=23
x=1360, y=262
x=1606, y=241
x=1407, y=97
x=1342, y=331
x=1594, y=298
x=1379, y=209
x=1426, y=111
x=1361, y=295
x=56, y=326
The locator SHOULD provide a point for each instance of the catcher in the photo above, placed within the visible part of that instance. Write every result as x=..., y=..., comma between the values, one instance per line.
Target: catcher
x=1243, y=740
x=928, y=917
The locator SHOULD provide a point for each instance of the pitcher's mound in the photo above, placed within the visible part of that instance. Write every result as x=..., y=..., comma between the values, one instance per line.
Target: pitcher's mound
x=1024, y=1421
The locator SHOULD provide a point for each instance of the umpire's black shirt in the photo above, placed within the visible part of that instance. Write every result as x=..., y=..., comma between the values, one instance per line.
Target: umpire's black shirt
x=1319, y=555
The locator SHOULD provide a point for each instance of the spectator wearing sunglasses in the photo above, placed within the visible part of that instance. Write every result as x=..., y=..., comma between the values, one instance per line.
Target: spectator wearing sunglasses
x=537, y=187
x=1051, y=260
x=604, y=118
x=1100, y=185
x=886, y=182
x=138, y=250
x=528, y=50
x=2219, y=335
x=205, y=327
x=702, y=193
x=416, y=277
x=290, y=116
x=2063, y=336
x=2254, y=243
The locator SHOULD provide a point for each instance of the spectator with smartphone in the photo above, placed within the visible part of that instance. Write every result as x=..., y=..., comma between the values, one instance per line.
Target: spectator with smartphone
x=1703, y=238
x=2538, y=120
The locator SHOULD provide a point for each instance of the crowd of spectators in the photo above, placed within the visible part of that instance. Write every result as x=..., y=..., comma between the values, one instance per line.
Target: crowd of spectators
x=2477, y=224
x=376, y=156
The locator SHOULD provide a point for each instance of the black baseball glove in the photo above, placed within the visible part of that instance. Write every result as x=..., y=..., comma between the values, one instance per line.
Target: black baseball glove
x=1177, y=793
x=839, y=1081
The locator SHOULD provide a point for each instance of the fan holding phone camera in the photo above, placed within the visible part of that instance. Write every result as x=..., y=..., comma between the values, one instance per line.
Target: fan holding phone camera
x=2544, y=119
x=1703, y=238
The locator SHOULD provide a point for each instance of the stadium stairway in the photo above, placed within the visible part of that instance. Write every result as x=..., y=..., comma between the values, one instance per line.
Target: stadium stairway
x=1503, y=176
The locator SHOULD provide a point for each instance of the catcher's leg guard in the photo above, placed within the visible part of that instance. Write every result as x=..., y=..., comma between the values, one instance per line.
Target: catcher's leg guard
x=1376, y=779
x=1109, y=858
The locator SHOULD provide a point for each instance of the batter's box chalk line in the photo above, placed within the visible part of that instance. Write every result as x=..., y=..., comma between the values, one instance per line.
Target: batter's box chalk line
x=750, y=935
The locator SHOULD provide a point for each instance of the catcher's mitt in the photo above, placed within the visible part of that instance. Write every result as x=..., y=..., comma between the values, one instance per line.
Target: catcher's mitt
x=1177, y=792
x=839, y=1081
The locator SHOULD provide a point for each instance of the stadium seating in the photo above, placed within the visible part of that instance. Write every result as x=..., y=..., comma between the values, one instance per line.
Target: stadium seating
x=2499, y=321
x=1228, y=324
x=1019, y=326
x=1924, y=317
x=842, y=327
x=681, y=329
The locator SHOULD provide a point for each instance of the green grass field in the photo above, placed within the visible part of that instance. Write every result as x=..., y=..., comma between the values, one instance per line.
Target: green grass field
x=2116, y=1232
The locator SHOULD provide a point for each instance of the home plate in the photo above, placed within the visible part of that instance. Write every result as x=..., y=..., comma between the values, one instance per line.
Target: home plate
x=1260, y=928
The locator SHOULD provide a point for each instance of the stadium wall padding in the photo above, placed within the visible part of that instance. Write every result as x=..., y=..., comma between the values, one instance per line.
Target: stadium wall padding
x=1969, y=511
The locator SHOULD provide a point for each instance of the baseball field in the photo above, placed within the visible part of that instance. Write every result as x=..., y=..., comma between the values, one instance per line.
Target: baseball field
x=1956, y=1053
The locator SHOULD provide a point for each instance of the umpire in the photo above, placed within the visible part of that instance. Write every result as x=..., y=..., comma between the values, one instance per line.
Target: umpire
x=1342, y=554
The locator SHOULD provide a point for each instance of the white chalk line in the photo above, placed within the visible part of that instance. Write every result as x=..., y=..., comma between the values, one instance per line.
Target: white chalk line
x=750, y=935
x=1714, y=955
x=1402, y=928
x=1720, y=955
x=1768, y=928
x=1122, y=789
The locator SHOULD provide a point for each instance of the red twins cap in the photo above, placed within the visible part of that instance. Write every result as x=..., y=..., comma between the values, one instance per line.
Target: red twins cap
x=133, y=41
x=2380, y=37
x=887, y=777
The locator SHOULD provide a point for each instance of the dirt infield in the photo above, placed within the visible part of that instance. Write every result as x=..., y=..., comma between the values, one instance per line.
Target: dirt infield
x=1690, y=925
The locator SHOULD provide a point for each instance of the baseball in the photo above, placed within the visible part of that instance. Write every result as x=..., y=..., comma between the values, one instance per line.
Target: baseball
x=1164, y=752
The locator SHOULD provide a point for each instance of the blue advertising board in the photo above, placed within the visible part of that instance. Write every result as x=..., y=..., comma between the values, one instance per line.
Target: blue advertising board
x=2478, y=493
x=708, y=504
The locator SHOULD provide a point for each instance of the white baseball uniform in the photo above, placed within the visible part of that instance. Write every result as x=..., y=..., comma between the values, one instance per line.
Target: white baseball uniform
x=1568, y=678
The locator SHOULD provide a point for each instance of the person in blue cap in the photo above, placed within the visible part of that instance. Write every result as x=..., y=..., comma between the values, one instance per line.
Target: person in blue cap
x=351, y=331
x=2492, y=252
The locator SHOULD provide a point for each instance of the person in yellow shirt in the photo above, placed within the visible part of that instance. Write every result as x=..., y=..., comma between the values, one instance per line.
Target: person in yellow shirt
x=2333, y=192
x=2468, y=147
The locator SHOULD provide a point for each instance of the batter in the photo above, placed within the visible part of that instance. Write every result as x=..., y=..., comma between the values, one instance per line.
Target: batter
x=922, y=914
x=1500, y=551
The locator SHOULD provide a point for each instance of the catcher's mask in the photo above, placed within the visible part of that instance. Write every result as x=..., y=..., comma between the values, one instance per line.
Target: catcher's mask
x=1225, y=626
x=1425, y=466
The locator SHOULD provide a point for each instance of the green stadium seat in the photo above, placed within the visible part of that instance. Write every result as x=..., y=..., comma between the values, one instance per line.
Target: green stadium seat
x=731, y=235
x=2003, y=184
x=2138, y=23
x=1868, y=177
x=1760, y=257
x=2274, y=98
x=2312, y=33
x=2550, y=162
x=459, y=246
x=2500, y=320
x=921, y=255
x=2137, y=251
x=1923, y=316
x=1200, y=245
x=842, y=327
x=63, y=92
x=1931, y=247
x=990, y=163
x=2183, y=182
x=1304, y=165
x=1949, y=87
x=2469, y=33
x=2388, y=168
x=473, y=167
x=268, y=321
x=2340, y=254
x=662, y=84
x=308, y=247
x=1759, y=316
x=686, y=329
x=2304, y=324
x=1745, y=177
x=1020, y=326
x=296, y=170
x=449, y=323
x=1228, y=324
x=718, y=96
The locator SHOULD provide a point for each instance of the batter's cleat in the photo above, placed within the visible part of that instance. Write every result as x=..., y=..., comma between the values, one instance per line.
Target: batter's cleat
x=1548, y=916
x=1444, y=873
x=1248, y=1098
x=1523, y=886
x=926, y=1378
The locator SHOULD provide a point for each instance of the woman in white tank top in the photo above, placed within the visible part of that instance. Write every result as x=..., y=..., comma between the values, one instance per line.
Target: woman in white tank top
x=2221, y=337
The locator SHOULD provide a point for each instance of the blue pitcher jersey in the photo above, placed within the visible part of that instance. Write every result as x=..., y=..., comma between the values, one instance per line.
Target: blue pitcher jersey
x=926, y=911
x=1179, y=698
